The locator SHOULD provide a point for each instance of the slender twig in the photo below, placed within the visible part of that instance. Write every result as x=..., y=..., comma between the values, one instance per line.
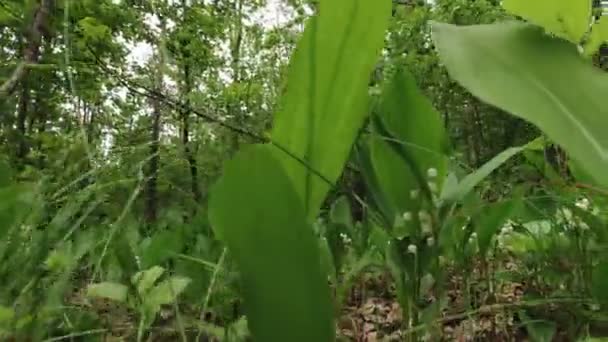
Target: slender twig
x=486, y=309
x=77, y=334
x=214, y=277
x=154, y=94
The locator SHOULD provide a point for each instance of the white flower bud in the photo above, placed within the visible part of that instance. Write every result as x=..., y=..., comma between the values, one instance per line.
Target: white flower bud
x=412, y=249
x=407, y=216
x=583, y=203
x=426, y=228
x=442, y=260
x=432, y=172
x=430, y=241
x=424, y=216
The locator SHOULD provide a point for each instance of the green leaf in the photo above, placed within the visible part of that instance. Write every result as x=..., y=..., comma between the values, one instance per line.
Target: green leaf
x=144, y=280
x=539, y=330
x=457, y=192
x=379, y=202
x=410, y=144
x=6, y=173
x=162, y=246
x=506, y=65
x=340, y=212
x=108, y=290
x=256, y=211
x=598, y=36
x=326, y=99
x=565, y=18
x=490, y=220
x=600, y=281
x=167, y=291
x=6, y=315
x=327, y=260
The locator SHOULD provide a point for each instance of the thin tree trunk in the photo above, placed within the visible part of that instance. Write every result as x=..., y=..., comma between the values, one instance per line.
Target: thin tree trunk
x=479, y=134
x=238, y=41
x=41, y=115
x=93, y=112
x=236, y=61
x=151, y=211
x=22, y=148
x=196, y=192
x=473, y=145
x=185, y=116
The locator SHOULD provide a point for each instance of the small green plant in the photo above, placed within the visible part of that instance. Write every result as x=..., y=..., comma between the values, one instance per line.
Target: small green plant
x=145, y=294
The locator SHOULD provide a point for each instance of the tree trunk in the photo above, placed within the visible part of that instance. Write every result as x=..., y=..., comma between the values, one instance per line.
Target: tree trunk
x=479, y=134
x=236, y=74
x=185, y=118
x=22, y=148
x=151, y=211
x=196, y=192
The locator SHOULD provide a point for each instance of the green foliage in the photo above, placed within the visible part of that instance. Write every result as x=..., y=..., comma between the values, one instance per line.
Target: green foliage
x=326, y=99
x=597, y=36
x=459, y=190
x=113, y=291
x=113, y=137
x=144, y=294
x=408, y=148
x=600, y=281
x=568, y=19
x=506, y=66
x=540, y=331
x=491, y=219
x=267, y=238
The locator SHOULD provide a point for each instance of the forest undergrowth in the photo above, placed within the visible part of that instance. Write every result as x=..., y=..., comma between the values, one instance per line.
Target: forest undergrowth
x=344, y=170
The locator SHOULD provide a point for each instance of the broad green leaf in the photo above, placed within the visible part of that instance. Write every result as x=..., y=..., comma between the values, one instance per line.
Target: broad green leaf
x=6, y=173
x=256, y=211
x=489, y=221
x=600, y=281
x=506, y=65
x=449, y=185
x=327, y=260
x=326, y=99
x=379, y=202
x=378, y=238
x=167, y=291
x=161, y=247
x=6, y=315
x=565, y=18
x=108, y=290
x=408, y=151
x=144, y=280
x=340, y=212
x=598, y=36
x=457, y=192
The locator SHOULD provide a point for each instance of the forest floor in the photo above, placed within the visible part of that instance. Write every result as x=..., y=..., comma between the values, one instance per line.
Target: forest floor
x=372, y=313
